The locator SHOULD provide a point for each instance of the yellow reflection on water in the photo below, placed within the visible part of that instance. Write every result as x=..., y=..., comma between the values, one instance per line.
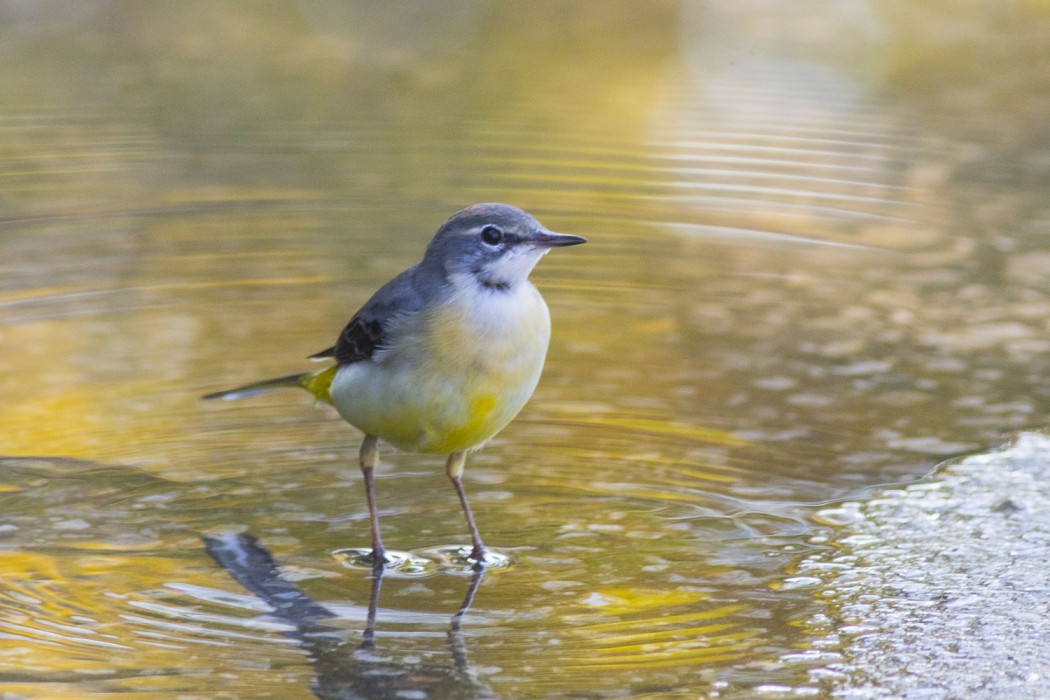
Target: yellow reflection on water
x=817, y=262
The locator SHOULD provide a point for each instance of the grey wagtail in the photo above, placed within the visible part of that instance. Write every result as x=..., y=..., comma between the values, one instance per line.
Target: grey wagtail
x=444, y=355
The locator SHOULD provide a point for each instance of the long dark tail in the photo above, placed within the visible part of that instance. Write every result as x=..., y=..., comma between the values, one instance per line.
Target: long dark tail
x=292, y=380
x=317, y=383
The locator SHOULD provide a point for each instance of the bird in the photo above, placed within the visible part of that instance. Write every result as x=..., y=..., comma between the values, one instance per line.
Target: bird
x=443, y=356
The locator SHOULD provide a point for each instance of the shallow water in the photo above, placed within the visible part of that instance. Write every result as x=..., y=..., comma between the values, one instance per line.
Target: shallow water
x=817, y=264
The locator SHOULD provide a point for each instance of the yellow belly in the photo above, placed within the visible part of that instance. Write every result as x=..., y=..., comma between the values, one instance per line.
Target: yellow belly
x=453, y=378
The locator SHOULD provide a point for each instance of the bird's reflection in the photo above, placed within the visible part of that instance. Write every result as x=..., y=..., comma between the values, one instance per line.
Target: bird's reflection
x=343, y=670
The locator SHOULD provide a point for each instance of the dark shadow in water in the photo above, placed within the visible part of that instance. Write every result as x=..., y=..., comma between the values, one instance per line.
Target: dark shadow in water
x=345, y=671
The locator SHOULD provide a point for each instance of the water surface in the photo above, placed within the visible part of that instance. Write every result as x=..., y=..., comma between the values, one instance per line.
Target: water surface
x=818, y=264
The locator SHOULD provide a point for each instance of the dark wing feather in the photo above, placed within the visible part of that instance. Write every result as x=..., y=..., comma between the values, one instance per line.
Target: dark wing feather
x=359, y=340
x=369, y=330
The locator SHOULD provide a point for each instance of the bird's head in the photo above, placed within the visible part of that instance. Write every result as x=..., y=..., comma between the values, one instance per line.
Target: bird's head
x=497, y=244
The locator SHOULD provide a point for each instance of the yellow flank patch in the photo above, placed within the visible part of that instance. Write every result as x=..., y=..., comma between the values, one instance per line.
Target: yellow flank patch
x=476, y=428
x=481, y=407
x=320, y=383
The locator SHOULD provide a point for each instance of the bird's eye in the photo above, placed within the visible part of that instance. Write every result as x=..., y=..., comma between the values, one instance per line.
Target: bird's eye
x=491, y=235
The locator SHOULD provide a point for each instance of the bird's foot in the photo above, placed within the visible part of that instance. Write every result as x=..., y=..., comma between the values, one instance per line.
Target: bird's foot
x=479, y=556
x=379, y=559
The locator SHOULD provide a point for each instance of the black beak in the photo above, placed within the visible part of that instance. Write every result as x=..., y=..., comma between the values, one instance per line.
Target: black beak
x=549, y=239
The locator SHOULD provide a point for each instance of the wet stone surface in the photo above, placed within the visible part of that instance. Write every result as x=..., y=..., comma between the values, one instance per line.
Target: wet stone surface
x=939, y=589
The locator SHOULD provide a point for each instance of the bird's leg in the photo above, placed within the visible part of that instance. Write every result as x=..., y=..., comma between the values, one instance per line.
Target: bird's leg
x=454, y=470
x=369, y=454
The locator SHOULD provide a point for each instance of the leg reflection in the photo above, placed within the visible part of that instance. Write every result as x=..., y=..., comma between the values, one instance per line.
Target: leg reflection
x=341, y=670
x=368, y=640
x=456, y=643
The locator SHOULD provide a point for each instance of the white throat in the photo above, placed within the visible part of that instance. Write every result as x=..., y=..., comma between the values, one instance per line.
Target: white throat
x=510, y=269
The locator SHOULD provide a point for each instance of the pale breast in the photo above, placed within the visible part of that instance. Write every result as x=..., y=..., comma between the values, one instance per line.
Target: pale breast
x=458, y=374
